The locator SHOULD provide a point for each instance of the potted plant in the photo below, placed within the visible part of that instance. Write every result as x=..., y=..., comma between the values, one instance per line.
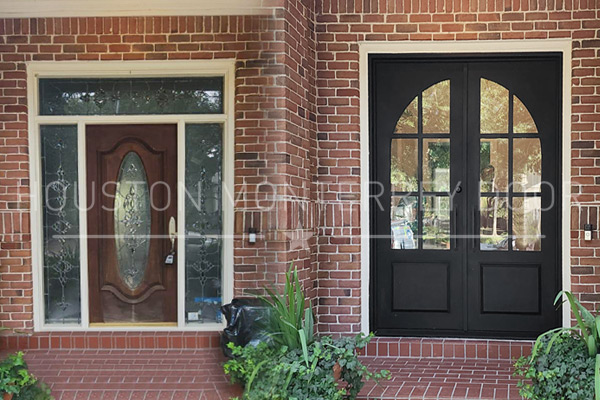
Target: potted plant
x=298, y=364
x=17, y=383
x=564, y=362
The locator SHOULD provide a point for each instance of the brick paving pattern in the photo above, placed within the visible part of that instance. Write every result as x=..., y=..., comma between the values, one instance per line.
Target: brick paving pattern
x=133, y=374
x=297, y=126
x=432, y=378
x=197, y=374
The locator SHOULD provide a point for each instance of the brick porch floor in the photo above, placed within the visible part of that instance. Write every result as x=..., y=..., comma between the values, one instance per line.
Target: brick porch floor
x=435, y=378
x=197, y=374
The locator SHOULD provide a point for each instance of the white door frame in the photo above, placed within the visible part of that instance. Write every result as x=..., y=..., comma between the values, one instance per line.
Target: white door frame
x=562, y=46
x=110, y=69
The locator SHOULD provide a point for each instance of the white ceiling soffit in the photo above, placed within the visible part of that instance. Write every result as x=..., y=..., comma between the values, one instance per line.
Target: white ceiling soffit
x=120, y=8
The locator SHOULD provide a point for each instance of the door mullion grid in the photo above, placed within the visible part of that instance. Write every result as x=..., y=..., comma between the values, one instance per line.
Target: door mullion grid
x=510, y=171
x=83, y=229
x=420, y=172
x=470, y=182
x=467, y=194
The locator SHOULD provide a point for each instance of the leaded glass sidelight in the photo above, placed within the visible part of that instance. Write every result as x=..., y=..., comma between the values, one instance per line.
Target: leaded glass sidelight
x=132, y=219
x=100, y=96
x=203, y=222
x=61, y=263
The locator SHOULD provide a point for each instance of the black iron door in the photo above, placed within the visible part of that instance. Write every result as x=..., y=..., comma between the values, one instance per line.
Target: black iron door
x=465, y=195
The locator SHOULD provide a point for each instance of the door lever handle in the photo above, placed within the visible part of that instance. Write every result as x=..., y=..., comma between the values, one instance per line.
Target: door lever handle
x=172, y=233
x=170, y=259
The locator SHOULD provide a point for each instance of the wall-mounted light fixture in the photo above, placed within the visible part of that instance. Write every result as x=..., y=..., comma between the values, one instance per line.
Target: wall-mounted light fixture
x=252, y=235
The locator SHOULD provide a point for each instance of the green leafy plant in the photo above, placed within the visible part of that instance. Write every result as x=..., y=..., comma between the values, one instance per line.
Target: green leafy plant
x=37, y=391
x=292, y=322
x=561, y=371
x=15, y=379
x=280, y=373
x=14, y=374
x=586, y=333
x=298, y=365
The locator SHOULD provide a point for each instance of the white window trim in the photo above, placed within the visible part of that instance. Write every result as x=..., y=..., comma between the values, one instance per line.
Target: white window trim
x=463, y=47
x=42, y=69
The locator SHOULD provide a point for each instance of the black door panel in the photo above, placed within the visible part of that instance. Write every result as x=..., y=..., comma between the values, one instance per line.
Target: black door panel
x=439, y=303
x=465, y=197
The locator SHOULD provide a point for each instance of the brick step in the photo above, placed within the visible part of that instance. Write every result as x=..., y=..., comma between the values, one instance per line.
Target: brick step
x=479, y=349
x=107, y=340
x=435, y=378
x=379, y=347
x=187, y=374
x=455, y=369
x=133, y=374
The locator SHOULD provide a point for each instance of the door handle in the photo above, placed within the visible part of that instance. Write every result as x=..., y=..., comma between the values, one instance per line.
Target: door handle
x=170, y=259
x=172, y=233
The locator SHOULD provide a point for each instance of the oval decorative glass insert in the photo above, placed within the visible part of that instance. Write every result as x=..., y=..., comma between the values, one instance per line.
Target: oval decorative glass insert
x=132, y=220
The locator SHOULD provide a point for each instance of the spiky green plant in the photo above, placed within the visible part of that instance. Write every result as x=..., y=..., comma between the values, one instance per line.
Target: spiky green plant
x=292, y=320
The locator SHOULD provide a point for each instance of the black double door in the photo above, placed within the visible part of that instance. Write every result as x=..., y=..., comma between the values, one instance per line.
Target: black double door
x=465, y=194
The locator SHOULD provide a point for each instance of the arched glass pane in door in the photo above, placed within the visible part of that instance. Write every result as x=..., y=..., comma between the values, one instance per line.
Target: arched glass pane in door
x=510, y=172
x=420, y=172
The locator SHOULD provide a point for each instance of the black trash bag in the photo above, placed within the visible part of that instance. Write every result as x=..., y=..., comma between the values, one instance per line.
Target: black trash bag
x=247, y=323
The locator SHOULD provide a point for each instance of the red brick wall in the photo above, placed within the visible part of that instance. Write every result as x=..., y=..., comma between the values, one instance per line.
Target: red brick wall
x=254, y=42
x=297, y=125
x=342, y=24
x=299, y=194
x=288, y=229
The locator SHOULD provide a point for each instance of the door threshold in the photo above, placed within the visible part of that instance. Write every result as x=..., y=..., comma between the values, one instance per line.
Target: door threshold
x=459, y=348
x=131, y=324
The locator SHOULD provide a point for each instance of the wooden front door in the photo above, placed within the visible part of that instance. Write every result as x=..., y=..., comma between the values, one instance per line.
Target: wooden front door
x=132, y=196
x=465, y=205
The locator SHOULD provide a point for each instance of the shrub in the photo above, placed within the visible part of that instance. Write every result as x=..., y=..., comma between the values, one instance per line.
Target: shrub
x=560, y=371
x=587, y=336
x=15, y=379
x=281, y=374
x=299, y=365
x=37, y=391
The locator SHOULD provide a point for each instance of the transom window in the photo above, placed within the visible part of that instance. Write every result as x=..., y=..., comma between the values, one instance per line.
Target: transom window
x=131, y=96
